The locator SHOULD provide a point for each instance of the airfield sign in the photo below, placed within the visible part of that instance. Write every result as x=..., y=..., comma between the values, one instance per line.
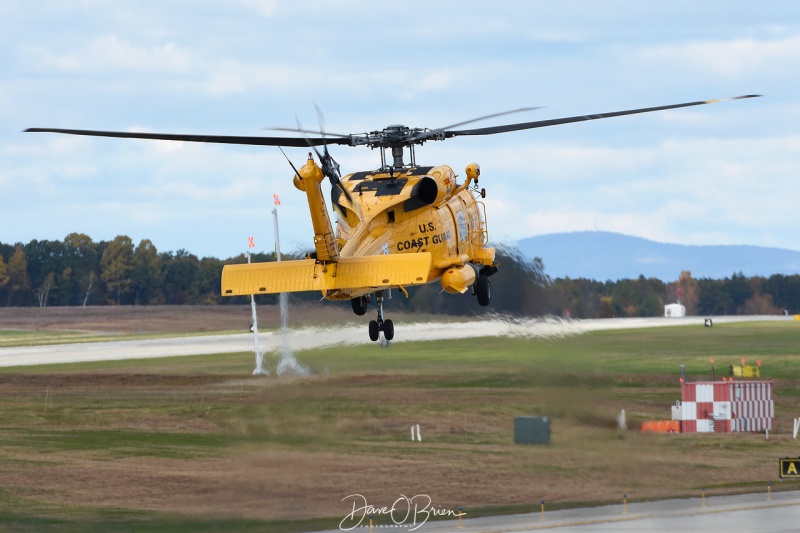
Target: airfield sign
x=789, y=467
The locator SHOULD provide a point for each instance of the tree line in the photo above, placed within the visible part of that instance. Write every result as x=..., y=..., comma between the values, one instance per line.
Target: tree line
x=734, y=295
x=79, y=272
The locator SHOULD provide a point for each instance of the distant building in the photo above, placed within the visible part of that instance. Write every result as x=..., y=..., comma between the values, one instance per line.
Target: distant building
x=674, y=310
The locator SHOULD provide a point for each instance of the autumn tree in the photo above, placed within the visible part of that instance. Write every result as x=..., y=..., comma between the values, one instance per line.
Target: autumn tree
x=739, y=290
x=578, y=298
x=147, y=274
x=43, y=292
x=116, y=265
x=81, y=256
x=207, y=284
x=180, y=269
x=607, y=309
x=638, y=297
x=17, y=271
x=760, y=301
x=712, y=298
x=686, y=292
x=3, y=273
x=785, y=291
x=46, y=260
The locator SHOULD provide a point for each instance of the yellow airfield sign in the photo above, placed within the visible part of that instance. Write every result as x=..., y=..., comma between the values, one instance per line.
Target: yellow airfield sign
x=789, y=467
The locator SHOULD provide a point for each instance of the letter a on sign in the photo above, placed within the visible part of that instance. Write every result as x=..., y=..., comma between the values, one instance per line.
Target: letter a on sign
x=789, y=467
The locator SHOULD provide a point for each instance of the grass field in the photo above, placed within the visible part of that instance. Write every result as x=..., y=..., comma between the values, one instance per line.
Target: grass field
x=196, y=443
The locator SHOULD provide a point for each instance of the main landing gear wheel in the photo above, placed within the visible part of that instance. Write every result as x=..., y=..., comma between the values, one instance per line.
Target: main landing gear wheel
x=483, y=290
x=360, y=305
x=388, y=330
x=376, y=326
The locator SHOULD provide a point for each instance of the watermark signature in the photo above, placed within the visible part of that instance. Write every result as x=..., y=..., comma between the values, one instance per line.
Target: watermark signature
x=411, y=513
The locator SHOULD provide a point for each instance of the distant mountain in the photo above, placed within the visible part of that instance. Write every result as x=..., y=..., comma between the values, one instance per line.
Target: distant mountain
x=606, y=256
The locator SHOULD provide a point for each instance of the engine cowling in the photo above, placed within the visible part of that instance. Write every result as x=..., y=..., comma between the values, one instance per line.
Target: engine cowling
x=435, y=188
x=458, y=279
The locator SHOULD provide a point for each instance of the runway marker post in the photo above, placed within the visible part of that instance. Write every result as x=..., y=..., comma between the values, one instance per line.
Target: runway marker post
x=459, y=517
x=703, y=495
x=370, y=522
x=625, y=503
x=542, y=518
x=769, y=490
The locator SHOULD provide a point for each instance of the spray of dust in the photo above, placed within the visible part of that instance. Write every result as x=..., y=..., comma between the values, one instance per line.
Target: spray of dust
x=288, y=364
x=489, y=325
x=492, y=325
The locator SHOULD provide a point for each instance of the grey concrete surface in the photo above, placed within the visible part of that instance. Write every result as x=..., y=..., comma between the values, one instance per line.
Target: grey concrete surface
x=780, y=512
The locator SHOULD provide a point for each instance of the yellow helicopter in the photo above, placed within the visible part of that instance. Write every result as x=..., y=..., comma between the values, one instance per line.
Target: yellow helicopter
x=400, y=225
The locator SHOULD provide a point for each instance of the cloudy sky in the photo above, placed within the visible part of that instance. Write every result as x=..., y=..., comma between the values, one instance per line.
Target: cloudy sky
x=719, y=174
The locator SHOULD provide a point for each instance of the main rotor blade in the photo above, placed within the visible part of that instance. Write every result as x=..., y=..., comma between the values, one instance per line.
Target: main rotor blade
x=218, y=139
x=320, y=119
x=316, y=132
x=554, y=122
x=470, y=121
x=440, y=133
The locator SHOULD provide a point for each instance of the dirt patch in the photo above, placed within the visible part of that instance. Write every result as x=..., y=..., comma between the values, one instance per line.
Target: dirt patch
x=287, y=484
x=9, y=382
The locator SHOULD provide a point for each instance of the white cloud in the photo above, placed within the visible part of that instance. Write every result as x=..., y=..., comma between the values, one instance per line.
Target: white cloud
x=226, y=77
x=735, y=58
x=233, y=191
x=27, y=146
x=264, y=8
x=561, y=35
x=231, y=77
x=110, y=53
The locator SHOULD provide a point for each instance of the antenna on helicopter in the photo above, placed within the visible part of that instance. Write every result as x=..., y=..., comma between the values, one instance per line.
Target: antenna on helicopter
x=296, y=173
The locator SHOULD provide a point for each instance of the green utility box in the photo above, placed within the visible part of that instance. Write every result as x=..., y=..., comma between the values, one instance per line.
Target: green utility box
x=531, y=430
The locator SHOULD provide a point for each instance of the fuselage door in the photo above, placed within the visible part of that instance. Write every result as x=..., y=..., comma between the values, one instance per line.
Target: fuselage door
x=461, y=225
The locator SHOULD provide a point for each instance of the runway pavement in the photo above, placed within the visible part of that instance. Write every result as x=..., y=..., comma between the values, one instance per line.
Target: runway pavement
x=746, y=512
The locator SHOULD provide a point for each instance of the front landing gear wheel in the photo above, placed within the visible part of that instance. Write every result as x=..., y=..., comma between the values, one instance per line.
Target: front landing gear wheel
x=483, y=290
x=373, y=330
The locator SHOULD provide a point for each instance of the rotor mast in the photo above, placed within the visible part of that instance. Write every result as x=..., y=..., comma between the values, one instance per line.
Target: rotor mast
x=397, y=158
x=396, y=137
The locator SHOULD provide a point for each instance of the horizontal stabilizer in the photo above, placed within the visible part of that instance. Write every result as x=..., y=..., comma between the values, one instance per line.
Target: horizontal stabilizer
x=269, y=278
x=376, y=271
